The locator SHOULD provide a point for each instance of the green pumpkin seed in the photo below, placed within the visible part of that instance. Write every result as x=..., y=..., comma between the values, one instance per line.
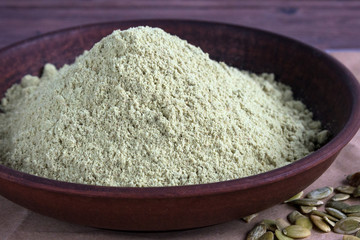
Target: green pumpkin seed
x=322, y=214
x=320, y=193
x=281, y=223
x=347, y=225
x=358, y=234
x=250, y=217
x=281, y=236
x=356, y=192
x=296, y=231
x=337, y=205
x=256, y=232
x=307, y=209
x=350, y=237
x=345, y=189
x=297, y=196
x=293, y=216
x=304, y=222
x=340, y=197
x=270, y=224
x=336, y=213
x=320, y=223
x=267, y=236
x=352, y=209
x=328, y=221
x=307, y=202
x=354, y=179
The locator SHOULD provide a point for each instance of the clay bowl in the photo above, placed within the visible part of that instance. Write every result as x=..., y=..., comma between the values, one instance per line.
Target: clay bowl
x=329, y=90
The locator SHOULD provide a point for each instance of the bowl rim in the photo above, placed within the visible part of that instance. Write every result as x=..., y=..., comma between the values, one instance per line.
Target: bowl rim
x=185, y=191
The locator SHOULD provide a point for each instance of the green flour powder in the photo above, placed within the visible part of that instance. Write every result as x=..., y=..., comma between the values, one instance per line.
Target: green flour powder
x=145, y=108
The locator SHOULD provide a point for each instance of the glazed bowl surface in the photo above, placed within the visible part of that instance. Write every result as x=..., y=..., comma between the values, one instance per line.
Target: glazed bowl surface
x=321, y=82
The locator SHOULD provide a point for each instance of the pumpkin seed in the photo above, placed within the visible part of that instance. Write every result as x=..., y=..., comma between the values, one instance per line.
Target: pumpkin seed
x=270, y=224
x=356, y=192
x=320, y=193
x=358, y=234
x=322, y=214
x=293, y=216
x=320, y=223
x=296, y=231
x=297, y=196
x=307, y=209
x=350, y=237
x=354, y=214
x=340, y=197
x=256, y=232
x=337, y=205
x=281, y=236
x=336, y=213
x=250, y=217
x=328, y=221
x=281, y=223
x=352, y=209
x=354, y=179
x=347, y=225
x=307, y=202
x=267, y=236
x=304, y=222
x=345, y=189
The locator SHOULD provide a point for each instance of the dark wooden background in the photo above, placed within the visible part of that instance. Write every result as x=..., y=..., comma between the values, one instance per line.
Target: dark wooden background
x=325, y=24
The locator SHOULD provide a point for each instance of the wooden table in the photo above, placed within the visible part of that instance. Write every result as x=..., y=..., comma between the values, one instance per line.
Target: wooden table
x=325, y=24
x=330, y=25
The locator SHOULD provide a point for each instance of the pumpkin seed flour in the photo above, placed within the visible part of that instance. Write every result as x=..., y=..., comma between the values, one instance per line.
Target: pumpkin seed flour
x=145, y=108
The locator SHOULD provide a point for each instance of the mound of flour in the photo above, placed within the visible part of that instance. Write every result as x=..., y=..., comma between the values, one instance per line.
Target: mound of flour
x=145, y=108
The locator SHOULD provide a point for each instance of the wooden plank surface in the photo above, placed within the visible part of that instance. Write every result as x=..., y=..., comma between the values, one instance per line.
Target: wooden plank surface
x=325, y=24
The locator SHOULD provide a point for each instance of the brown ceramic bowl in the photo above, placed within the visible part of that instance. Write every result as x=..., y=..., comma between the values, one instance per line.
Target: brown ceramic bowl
x=325, y=85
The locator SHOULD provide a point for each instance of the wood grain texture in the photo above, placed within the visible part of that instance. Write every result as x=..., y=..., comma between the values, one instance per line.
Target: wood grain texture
x=325, y=24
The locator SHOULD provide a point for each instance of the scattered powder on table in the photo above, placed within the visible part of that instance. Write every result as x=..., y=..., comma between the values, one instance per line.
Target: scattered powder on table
x=145, y=108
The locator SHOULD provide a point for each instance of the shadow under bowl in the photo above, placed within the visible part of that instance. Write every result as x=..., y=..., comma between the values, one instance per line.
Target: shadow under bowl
x=321, y=82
